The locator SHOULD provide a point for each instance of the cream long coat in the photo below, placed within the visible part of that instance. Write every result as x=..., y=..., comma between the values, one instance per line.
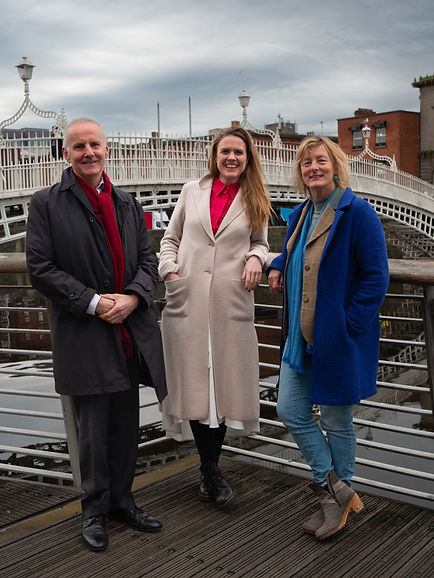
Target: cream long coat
x=210, y=298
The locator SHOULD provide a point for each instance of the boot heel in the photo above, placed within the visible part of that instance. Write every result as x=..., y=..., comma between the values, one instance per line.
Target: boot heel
x=356, y=504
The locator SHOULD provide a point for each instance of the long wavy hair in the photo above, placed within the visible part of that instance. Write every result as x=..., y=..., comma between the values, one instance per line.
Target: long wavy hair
x=254, y=194
x=337, y=156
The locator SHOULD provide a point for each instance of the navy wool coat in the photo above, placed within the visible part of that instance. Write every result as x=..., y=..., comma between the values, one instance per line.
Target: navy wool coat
x=68, y=261
x=353, y=277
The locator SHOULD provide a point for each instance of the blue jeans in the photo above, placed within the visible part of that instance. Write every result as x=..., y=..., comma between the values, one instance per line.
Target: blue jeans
x=294, y=408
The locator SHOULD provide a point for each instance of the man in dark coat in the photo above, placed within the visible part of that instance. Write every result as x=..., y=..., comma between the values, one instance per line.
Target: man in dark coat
x=89, y=253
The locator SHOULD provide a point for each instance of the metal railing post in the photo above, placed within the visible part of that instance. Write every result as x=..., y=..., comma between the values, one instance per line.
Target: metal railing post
x=71, y=430
x=428, y=319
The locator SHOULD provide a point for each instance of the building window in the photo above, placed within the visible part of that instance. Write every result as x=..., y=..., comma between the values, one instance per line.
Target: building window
x=357, y=139
x=380, y=136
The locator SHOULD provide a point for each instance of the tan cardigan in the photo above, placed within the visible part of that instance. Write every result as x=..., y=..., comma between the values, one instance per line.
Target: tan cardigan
x=314, y=249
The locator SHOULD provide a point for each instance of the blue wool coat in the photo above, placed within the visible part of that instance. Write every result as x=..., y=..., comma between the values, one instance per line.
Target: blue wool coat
x=352, y=281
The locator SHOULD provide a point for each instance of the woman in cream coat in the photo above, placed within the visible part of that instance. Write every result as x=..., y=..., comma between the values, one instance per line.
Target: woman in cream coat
x=211, y=259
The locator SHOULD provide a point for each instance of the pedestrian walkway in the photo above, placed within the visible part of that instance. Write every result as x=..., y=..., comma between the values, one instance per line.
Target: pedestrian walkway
x=260, y=537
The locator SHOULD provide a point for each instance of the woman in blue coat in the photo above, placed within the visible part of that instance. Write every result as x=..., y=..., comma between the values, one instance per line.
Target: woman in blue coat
x=333, y=273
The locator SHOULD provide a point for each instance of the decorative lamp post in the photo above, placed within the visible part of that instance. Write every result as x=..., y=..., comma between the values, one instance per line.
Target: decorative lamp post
x=244, y=99
x=366, y=134
x=25, y=70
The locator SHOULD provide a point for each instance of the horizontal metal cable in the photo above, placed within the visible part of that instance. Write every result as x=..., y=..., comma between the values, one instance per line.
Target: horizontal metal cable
x=394, y=407
x=35, y=352
x=404, y=296
x=16, y=287
x=23, y=308
x=403, y=364
x=22, y=392
x=396, y=469
x=396, y=449
x=32, y=452
x=37, y=472
x=25, y=372
x=269, y=365
x=360, y=442
x=394, y=428
x=264, y=326
x=367, y=423
x=407, y=319
x=401, y=386
x=33, y=331
x=382, y=384
x=152, y=442
x=402, y=342
x=33, y=433
x=391, y=488
x=31, y=413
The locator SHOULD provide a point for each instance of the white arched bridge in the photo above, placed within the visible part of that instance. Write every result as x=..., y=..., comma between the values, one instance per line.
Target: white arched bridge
x=154, y=170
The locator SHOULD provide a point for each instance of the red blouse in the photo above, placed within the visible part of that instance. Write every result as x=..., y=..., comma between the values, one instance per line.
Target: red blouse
x=221, y=199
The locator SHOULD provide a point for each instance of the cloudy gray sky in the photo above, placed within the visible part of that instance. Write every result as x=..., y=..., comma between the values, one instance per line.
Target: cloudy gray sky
x=310, y=61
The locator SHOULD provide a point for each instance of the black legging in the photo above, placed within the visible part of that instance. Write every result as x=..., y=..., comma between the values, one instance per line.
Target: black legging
x=209, y=441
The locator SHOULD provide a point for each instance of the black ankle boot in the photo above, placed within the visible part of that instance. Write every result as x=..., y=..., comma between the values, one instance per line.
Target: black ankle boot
x=205, y=490
x=216, y=486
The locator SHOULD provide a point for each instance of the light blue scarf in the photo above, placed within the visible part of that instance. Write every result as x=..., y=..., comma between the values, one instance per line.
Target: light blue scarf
x=294, y=346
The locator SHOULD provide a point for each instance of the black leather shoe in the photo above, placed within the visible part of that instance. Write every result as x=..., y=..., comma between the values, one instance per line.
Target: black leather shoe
x=205, y=491
x=137, y=519
x=94, y=534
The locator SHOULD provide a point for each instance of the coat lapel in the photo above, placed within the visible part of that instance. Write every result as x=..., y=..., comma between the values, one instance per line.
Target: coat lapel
x=234, y=210
x=201, y=200
x=324, y=224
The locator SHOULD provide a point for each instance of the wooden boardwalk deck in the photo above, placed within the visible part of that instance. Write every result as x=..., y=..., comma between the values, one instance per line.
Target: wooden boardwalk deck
x=260, y=537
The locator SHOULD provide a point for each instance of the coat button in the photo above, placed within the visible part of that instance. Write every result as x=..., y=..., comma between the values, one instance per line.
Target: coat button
x=92, y=219
x=106, y=282
x=306, y=300
x=208, y=271
x=212, y=244
x=307, y=267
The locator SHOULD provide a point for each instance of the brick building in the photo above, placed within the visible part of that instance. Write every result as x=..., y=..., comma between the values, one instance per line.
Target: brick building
x=392, y=133
x=426, y=87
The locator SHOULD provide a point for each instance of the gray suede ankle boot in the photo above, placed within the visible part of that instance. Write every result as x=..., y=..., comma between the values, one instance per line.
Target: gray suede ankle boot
x=336, y=505
x=317, y=519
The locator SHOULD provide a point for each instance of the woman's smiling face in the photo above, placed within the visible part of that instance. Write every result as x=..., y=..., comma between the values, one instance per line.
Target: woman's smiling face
x=231, y=159
x=317, y=172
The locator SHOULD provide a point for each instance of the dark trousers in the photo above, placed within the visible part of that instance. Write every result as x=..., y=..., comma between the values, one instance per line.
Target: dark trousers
x=208, y=441
x=108, y=427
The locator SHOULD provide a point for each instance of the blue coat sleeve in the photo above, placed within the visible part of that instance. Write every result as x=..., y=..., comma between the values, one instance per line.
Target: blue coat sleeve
x=373, y=273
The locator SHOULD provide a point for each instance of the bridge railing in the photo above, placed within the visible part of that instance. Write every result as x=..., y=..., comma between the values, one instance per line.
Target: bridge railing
x=394, y=456
x=28, y=165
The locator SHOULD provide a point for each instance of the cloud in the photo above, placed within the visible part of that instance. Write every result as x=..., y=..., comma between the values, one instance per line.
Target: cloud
x=311, y=62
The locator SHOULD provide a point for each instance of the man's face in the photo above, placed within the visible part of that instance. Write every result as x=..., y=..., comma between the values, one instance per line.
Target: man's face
x=86, y=150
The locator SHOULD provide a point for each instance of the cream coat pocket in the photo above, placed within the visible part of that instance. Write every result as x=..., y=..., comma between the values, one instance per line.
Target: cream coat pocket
x=177, y=297
x=241, y=302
